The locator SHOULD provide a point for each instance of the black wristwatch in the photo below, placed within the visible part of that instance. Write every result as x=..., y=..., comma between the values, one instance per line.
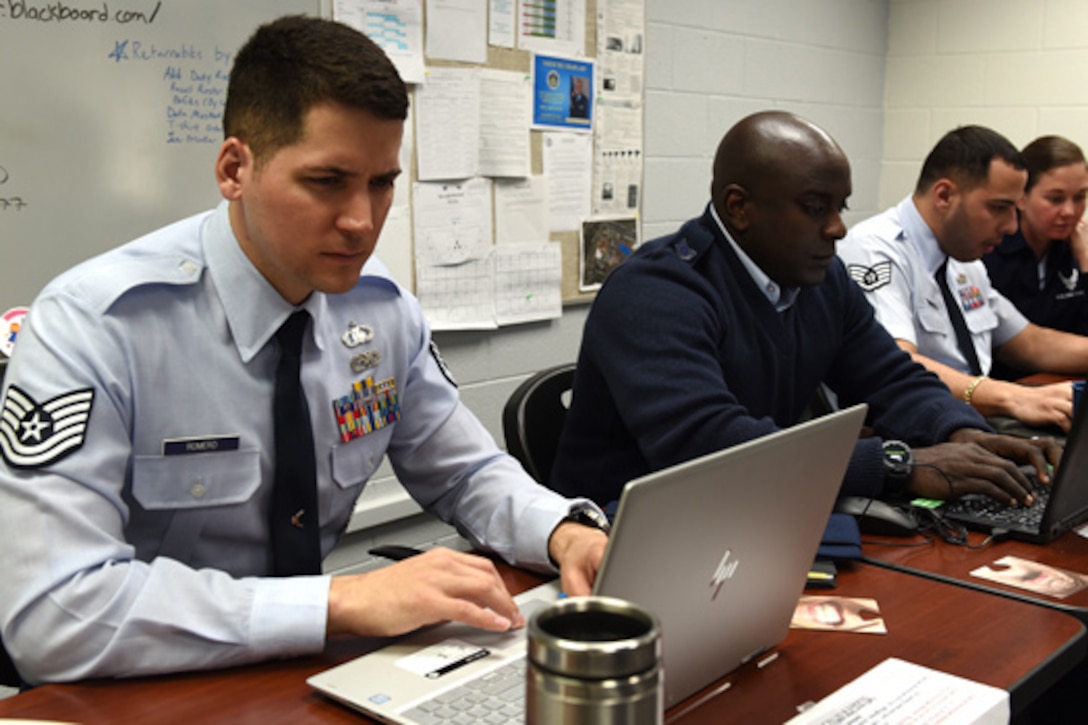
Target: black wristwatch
x=898, y=465
x=587, y=516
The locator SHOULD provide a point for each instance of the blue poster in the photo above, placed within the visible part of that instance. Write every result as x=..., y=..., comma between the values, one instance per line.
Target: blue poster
x=562, y=93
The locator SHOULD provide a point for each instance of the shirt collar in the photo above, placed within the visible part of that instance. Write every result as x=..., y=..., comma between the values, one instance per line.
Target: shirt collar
x=920, y=236
x=781, y=299
x=253, y=307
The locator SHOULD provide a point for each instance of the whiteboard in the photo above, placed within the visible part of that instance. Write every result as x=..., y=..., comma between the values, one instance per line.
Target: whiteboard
x=109, y=122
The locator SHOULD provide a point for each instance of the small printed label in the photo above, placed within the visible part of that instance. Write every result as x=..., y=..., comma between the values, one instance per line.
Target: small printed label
x=199, y=444
x=442, y=658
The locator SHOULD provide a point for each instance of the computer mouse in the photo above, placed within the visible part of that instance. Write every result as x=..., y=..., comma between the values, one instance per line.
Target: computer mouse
x=878, y=517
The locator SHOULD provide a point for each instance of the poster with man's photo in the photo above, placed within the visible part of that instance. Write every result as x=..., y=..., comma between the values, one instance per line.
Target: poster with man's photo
x=562, y=93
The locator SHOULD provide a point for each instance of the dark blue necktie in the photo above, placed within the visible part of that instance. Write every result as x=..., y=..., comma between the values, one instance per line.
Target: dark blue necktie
x=296, y=543
x=955, y=314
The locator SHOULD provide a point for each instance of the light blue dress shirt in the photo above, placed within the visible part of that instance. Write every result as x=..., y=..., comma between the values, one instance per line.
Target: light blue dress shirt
x=137, y=539
x=894, y=257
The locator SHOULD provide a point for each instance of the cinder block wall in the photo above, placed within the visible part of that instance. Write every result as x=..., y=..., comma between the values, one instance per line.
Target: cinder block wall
x=1020, y=67
x=712, y=62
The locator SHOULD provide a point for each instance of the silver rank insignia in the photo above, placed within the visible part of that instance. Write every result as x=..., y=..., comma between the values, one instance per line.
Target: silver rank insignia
x=871, y=278
x=685, y=252
x=34, y=434
x=357, y=335
x=366, y=360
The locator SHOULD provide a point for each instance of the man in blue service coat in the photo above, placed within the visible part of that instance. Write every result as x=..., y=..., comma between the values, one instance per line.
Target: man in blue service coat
x=723, y=332
x=139, y=452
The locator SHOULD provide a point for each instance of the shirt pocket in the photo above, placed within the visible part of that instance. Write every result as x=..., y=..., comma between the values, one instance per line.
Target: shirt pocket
x=355, y=462
x=934, y=321
x=180, y=495
x=980, y=320
x=198, y=480
x=351, y=466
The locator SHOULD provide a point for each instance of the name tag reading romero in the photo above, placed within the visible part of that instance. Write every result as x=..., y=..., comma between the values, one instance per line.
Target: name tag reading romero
x=210, y=444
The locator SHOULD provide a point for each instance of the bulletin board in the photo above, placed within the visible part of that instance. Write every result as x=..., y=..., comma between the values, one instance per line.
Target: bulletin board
x=609, y=67
x=110, y=124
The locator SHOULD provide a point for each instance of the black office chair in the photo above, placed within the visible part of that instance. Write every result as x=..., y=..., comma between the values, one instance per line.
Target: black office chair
x=9, y=676
x=532, y=419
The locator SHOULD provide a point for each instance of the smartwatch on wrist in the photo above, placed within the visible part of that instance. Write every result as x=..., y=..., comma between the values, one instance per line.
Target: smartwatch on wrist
x=898, y=466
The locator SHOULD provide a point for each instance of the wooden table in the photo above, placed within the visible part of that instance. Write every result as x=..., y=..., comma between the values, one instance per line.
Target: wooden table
x=952, y=628
x=954, y=564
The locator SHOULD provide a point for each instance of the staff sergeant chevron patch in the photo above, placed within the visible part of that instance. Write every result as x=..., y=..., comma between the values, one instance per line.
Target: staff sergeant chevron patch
x=34, y=434
x=871, y=278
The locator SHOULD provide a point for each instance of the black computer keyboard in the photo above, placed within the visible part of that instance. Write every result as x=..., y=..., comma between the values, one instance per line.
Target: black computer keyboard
x=985, y=510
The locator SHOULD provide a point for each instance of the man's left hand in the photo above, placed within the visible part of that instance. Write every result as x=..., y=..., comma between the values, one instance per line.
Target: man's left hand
x=1041, y=452
x=578, y=551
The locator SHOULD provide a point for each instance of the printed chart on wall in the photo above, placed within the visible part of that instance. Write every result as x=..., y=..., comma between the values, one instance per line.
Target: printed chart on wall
x=527, y=177
x=109, y=123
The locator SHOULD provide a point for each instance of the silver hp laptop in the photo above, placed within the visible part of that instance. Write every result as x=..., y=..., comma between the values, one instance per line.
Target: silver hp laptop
x=718, y=548
x=1057, y=507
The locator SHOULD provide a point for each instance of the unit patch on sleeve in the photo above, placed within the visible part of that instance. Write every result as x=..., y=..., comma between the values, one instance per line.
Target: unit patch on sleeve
x=34, y=434
x=442, y=364
x=871, y=278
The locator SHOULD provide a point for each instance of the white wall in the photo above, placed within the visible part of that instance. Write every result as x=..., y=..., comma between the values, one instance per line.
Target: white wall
x=712, y=62
x=1017, y=66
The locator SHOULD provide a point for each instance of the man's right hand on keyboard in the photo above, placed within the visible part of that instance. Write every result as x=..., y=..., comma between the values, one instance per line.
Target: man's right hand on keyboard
x=438, y=585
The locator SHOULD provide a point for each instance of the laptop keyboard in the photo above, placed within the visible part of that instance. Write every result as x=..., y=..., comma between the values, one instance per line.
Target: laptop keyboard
x=998, y=515
x=492, y=699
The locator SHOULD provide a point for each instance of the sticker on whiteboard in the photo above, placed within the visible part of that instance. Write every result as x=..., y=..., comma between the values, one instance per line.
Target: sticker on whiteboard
x=13, y=320
x=442, y=658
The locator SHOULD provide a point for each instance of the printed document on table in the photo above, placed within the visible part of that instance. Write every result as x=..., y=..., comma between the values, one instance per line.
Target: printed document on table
x=897, y=691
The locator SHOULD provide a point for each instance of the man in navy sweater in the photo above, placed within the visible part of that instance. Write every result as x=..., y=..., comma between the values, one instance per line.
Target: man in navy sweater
x=724, y=331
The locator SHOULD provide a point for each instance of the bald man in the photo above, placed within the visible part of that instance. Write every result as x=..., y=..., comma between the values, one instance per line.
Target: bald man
x=723, y=331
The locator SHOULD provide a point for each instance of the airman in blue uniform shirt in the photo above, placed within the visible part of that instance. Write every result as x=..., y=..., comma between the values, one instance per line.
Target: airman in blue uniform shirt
x=137, y=432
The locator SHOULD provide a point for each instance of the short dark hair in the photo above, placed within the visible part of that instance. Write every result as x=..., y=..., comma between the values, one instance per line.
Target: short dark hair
x=1049, y=152
x=964, y=155
x=296, y=62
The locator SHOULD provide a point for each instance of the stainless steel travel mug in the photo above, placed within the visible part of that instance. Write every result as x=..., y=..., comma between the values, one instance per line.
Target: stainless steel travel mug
x=592, y=661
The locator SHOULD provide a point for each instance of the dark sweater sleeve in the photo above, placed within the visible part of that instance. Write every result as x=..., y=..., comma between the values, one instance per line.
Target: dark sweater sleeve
x=906, y=401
